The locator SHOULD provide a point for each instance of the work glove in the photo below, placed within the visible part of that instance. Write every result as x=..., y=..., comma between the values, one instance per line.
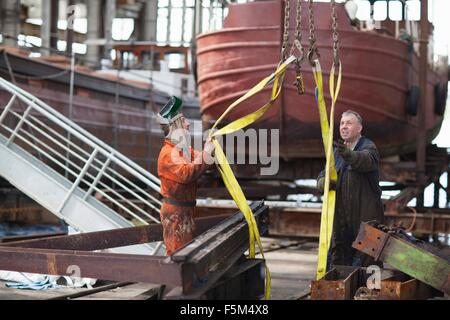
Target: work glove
x=209, y=147
x=321, y=184
x=341, y=149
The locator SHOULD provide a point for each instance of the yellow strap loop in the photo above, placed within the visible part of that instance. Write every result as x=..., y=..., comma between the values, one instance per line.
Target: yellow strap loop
x=329, y=201
x=227, y=174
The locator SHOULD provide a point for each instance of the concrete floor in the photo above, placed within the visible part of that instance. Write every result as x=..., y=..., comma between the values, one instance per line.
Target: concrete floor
x=292, y=267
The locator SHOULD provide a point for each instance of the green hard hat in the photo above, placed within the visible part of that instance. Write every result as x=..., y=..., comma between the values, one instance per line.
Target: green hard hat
x=171, y=108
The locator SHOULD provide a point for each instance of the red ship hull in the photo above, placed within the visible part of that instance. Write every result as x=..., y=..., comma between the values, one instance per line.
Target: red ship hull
x=378, y=73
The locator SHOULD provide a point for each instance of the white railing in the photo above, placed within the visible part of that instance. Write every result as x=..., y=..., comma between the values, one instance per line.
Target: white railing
x=86, y=162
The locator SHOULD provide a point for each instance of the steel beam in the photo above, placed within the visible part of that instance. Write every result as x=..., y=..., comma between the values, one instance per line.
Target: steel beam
x=340, y=283
x=108, y=239
x=213, y=253
x=194, y=268
x=96, y=240
x=244, y=280
x=305, y=222
x=98, y=265
x=396, y=288
x=10, y=239
x=415, y=259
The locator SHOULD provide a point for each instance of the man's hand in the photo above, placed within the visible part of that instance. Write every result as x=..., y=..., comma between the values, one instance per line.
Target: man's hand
x=343, y=151
x=209, y=147
x=321, y=184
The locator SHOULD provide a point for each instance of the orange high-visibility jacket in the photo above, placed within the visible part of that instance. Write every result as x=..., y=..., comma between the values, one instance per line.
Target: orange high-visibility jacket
x=178, y=181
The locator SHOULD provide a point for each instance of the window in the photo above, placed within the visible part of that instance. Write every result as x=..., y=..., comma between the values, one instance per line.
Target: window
x=380, y=11
x=161, y=34
x=176, y=22
x=122, y=28
x=363, y=12
x=176, y=18
x=175, y=60
x=413, y=10
x=395, y=11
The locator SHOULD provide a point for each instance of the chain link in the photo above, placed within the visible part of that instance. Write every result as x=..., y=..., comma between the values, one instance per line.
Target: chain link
x=313, y=50
x=298, y=32
x=298, y=45
x=287, y=9
x=335, y=34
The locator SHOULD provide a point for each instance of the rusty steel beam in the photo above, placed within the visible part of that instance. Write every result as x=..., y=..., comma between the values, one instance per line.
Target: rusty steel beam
x=109, y=239
x=194, y=268
x=11, y=239
x=214, y=252
x=296, y=222
x=98, y=265
x=305, y=222
x=340, y=283
x=96, y=240
x=416, y=259
x=398, y=288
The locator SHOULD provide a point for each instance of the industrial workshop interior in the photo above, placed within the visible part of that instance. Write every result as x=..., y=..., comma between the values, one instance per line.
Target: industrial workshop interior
x=213, y=150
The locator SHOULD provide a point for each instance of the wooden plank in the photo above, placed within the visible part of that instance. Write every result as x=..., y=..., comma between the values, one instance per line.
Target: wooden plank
x=18, y=294
x=81, y=293
x=135, y=291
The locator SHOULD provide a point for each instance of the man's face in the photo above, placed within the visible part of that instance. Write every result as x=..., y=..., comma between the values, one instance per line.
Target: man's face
x=186, y=123
x=350, y=128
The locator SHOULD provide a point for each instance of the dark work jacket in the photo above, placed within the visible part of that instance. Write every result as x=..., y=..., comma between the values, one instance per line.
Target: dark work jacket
x=358, y=198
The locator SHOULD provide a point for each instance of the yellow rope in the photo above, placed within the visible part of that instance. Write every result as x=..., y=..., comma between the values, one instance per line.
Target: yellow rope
x=329, y=200
x=227, y=174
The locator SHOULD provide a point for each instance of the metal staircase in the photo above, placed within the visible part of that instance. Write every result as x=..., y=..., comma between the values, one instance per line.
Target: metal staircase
x=68, y=171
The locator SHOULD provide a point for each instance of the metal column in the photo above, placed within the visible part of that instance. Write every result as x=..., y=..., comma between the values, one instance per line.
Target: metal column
x=109, y=16
x=11, y=21
x=70, y=10
x=148, y=29
x=54, y=16
x=46, y=26
x=93, y=31
x=421, y=115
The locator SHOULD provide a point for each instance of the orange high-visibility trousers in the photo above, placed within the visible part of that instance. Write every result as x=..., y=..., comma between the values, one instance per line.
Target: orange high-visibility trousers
x=178, y=177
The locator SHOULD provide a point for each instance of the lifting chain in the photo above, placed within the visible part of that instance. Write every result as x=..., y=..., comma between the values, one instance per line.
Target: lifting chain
x=336, y=59
x=313, y=52
x=298, y=45
x=287, y=8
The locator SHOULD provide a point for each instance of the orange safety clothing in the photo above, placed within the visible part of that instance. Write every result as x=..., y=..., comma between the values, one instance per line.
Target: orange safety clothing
x=178, y=178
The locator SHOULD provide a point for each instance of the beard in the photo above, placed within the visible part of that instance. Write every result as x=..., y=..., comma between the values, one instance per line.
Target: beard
x=181, y=138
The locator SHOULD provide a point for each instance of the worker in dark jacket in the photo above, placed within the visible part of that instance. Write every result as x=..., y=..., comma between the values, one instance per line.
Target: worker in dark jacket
x=179, y=168
x=358, y=194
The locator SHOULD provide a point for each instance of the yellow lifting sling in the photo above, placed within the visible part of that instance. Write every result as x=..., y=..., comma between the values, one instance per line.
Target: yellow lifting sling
x=327, y=128
x=227, y=174
x=329, y=199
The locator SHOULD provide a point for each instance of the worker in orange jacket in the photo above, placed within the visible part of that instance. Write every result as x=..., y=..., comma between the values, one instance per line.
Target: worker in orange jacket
x=179, y=168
